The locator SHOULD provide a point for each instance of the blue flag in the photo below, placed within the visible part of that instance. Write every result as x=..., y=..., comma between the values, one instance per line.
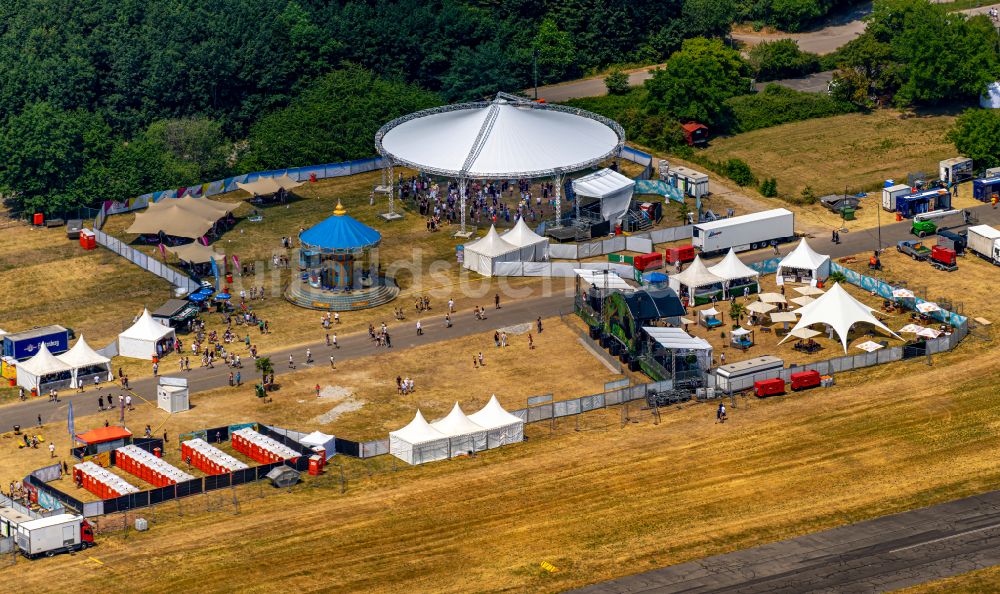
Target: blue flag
x=70, y=424
x=215, y=272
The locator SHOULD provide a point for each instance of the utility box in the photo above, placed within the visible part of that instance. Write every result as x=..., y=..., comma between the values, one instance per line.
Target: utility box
x=172, y=394
x=890, y=194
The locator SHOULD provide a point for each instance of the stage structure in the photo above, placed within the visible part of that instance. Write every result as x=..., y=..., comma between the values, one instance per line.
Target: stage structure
x=503, y=139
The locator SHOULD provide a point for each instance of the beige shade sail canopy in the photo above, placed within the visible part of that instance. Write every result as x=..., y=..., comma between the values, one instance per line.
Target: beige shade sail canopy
x=195, y=253
x=263, y=186
x=173, y=220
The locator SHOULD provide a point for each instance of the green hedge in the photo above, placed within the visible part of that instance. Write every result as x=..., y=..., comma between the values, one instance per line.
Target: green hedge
x=779, y=105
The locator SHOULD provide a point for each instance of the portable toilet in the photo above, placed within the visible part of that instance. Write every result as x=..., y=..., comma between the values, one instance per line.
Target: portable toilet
x=891, y=193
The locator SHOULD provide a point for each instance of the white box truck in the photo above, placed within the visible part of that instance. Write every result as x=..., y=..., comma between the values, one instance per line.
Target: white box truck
x=985, y=241
x=890, y=194
x=746, y=232
x=56, y=534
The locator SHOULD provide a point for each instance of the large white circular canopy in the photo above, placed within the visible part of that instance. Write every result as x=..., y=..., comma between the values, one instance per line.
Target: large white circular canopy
x=505, y=138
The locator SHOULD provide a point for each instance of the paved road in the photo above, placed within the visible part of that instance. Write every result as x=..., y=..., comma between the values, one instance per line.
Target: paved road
x=835, y=35
x=878, y=555
x=588, y=87
x=351, y=347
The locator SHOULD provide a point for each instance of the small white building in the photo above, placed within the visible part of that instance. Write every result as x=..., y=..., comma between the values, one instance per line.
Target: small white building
x=172, y=394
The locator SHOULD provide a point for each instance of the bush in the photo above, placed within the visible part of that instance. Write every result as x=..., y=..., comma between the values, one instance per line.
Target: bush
x=772, y=60
x=617, y=82
x=779, y=105
x=738, y=171
x=769, y=187
x=977, y=135
x=656, y=131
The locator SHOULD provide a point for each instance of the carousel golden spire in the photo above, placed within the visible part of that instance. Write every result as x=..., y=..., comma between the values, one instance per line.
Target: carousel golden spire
x=340, y=210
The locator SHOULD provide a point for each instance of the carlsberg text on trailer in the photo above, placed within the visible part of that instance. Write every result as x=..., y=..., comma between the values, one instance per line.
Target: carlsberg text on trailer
x=747, y=232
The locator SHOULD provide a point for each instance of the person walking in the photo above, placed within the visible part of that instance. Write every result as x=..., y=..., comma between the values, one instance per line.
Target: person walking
x=128, y=402
x=328, y=343
x=538, y=323
x=291, y=362
x=451, y=306
x=720, y=414
x=335, y=345
x=309, y=356
x=317, y=390
x=420, y=329
x=531, y=342
x=100, y=403
x=52, y=450
x=39, y=420
x=496, y=301
x=332, y=364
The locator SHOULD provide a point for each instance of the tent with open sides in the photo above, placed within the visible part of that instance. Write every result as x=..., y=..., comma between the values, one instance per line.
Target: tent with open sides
x=534, y=247
x=265, y=186
x=699, y=281
x=501, y=427
x=146, y=338
x=86, y=363
x=464, y=436
x=611, y=188
x=735, y=274
x=481, y=254
x=803, y=265
x=172, y=219
x=195, y=253
x=418, y=442
x=43, y=371
x=840, y=311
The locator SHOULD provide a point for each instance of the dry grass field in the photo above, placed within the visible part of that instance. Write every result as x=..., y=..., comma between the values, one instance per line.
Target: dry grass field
x=983, y=581
x=596, y=503
x=853, y=151
x=48, y=279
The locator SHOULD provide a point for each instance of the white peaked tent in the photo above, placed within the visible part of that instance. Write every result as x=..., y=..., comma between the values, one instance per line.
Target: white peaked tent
x=731, y=268
x=838, y=310
x=534, y=247
x=695, y=276
x=86, y=362
x=41, y=369
x=418, y=442
x=613, y=189
x=501, y=426
x=141, y=339
x=481, y=254
x=464, y=436
x=803, y=265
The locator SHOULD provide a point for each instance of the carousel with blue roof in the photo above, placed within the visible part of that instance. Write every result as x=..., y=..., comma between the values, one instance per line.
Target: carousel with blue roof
x=338, y=267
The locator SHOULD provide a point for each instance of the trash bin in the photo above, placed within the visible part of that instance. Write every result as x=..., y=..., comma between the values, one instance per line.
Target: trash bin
x=38, y=219
x=312, y=177
x=848, y=214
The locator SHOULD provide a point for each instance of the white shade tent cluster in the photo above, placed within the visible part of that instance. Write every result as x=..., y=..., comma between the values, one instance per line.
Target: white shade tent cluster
x=803, y=265
x=79, y=362
x=456, y=434
x=141, y=339
x=838, y=310
x=731, y=269
x=694, y=277
x=519, y=244
x=611, y=188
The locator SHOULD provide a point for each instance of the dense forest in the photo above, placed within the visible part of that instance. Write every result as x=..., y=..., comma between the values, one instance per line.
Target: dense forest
x=107, y=99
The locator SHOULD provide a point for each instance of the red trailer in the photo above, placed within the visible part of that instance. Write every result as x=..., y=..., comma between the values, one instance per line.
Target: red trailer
x=650, y=261
x=805, y=379
x=684, y=253
x=769, y=387
x=943, y=258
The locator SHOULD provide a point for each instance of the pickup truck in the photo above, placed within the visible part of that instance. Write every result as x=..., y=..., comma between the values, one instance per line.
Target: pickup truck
x=913, y=249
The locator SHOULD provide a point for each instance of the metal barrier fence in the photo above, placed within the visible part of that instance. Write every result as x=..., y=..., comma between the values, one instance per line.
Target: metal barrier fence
x=6, y=545
x=145, y=262
x=19, y=507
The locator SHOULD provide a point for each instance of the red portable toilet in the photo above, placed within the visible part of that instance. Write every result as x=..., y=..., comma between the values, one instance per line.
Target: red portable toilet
x=38, y=219
x=805, y=379
x=314, y=467
x=769, y=387
x=312, y=177
x=158, y=452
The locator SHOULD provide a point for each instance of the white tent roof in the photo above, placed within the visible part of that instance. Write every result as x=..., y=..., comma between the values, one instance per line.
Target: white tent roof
x=803, y=257
x=675, y=338
x=503, y=138
x=522, y=236
x=837, y=309
x=781, y=317
x=602, y=183
x=771, y=297
x=43, y=363
x=803, y=333
x=731, y=268
x=81, y=355
x=491, y=245
x=696, y=275
x=869, y=346
x=146, y=328
x=741, y=331
x=316, y=438
x=802, y=301
x=493, y=416
x=456, y=423
x=760, y=307
x=418, y=431
x=809, y=291
x=600, y=280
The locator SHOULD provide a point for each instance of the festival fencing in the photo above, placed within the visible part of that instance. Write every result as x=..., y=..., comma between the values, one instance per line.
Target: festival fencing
x=145, y=262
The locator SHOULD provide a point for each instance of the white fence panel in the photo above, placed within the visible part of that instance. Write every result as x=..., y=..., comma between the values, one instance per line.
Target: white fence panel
x=563, y=251
x=588, y=250
x=562, y=270
x=639, y=244
x=508, y=268
x=536, y=268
